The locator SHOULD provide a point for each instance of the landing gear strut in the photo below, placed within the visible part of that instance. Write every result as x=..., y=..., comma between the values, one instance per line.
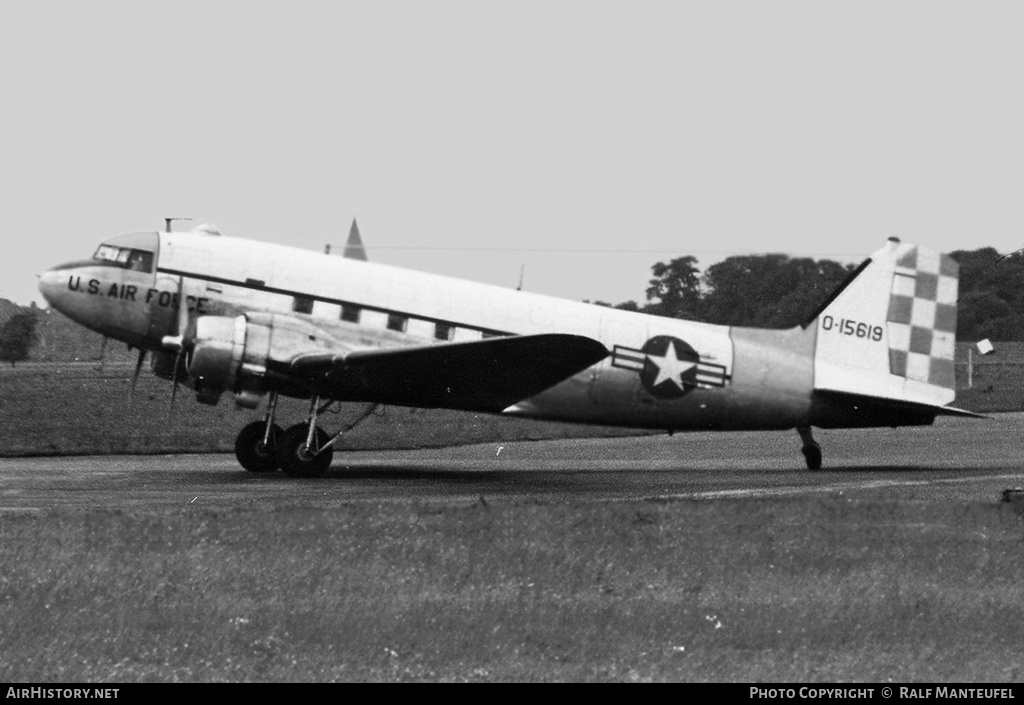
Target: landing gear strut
x=256, y=444
x=811, y=449
x=302, y=456
x=304, y=450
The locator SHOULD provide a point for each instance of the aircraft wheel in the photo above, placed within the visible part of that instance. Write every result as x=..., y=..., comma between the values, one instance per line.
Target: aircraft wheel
x=296, y=460
x=813, y=457
x=250, y=451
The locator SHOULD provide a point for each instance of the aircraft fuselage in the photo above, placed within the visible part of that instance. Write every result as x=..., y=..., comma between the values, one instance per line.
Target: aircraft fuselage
x=660, y=372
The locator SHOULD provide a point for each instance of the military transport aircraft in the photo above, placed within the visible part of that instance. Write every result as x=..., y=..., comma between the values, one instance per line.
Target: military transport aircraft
x=255, y=319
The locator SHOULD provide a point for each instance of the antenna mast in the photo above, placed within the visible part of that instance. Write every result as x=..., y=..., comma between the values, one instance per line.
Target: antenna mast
x=168, y=221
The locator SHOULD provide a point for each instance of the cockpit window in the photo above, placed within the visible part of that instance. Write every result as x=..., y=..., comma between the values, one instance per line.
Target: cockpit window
x=109, y=253
x=140, y=261
x=137, y=260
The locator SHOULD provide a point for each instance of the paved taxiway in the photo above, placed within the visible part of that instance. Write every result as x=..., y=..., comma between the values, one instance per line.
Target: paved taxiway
x=954, y=460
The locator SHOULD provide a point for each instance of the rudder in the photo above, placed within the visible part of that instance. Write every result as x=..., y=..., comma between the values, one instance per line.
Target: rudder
x=891, y=332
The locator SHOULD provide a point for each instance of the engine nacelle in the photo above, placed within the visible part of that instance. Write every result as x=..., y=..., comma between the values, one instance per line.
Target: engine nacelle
x=232, y=354
x=217, y=351
x=216, y=356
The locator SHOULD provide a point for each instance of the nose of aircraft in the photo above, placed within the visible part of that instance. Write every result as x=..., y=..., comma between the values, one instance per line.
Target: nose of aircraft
x=50, y=284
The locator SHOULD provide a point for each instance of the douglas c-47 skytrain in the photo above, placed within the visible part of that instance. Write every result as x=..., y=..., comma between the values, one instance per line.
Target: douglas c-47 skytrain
x=259, y=319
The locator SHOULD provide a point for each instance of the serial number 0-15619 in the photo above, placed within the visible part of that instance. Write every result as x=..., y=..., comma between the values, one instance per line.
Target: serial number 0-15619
x=851, y=328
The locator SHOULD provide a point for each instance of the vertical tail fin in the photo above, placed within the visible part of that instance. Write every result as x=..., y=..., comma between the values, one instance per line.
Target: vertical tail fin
x=891, y=332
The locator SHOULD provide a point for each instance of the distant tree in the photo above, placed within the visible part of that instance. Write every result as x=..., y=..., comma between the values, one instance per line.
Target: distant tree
x=769, y=291
x=973, y=264
x=17, y=336
x=991, y=301
x=675, y=290
x=776, y=291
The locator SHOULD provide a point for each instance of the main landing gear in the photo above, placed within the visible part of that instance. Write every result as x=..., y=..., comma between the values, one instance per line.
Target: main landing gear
x=811, y=449
x=303, y=450
x=256, y=444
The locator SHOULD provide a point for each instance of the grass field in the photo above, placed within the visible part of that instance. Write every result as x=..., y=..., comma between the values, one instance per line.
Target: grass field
x=782, y=590
x=61, y=409
x=771, y=590
x=994, y=382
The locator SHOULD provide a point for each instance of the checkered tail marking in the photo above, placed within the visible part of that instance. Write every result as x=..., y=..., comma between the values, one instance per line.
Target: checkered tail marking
x=922, y=317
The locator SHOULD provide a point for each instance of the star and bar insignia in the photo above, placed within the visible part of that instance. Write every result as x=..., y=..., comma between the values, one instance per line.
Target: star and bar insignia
x=669, y=367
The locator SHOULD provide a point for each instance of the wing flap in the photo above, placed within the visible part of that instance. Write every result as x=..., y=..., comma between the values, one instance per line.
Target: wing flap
x=484, y=375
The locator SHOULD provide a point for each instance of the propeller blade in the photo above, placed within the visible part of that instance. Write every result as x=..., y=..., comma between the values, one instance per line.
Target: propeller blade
x=174, y=389
x=182, y=318
x=135, y=378
x=181, y=328
x=103, y=352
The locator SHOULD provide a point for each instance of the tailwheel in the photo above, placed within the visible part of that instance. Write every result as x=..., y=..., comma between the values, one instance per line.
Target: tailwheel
x=812, y=455
x=253, y=454
x=296, y=458
x=811, y=449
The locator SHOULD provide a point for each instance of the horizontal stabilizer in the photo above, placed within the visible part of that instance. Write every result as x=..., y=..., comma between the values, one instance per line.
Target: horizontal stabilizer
x=483, y=375
x=830, y=409
x=954, y=411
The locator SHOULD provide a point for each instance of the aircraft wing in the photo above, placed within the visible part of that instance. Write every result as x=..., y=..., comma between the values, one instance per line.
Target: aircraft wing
x=484, y=375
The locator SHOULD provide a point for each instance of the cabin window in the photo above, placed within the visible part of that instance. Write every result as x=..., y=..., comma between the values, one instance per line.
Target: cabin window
x=396, y=322
x=444, y=331
x=350, y=313
x=302, y=304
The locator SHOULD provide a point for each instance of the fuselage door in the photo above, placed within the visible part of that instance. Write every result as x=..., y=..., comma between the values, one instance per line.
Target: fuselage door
x=172, y=281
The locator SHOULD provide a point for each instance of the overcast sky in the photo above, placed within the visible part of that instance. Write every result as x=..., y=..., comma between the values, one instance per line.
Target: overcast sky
x=583, y=140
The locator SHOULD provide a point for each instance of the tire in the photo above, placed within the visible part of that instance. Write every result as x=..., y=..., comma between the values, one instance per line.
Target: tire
x=250, y=451
x=813, y=457
x=293, y=457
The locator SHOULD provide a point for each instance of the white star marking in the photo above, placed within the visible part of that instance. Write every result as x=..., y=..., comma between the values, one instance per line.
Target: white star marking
x=670, y=367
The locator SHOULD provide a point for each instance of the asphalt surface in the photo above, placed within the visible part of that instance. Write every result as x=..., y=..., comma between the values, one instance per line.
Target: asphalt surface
x=955, y=460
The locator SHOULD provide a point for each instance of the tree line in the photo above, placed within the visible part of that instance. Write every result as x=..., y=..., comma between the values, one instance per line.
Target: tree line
x=778, y=291
x=17, y=336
